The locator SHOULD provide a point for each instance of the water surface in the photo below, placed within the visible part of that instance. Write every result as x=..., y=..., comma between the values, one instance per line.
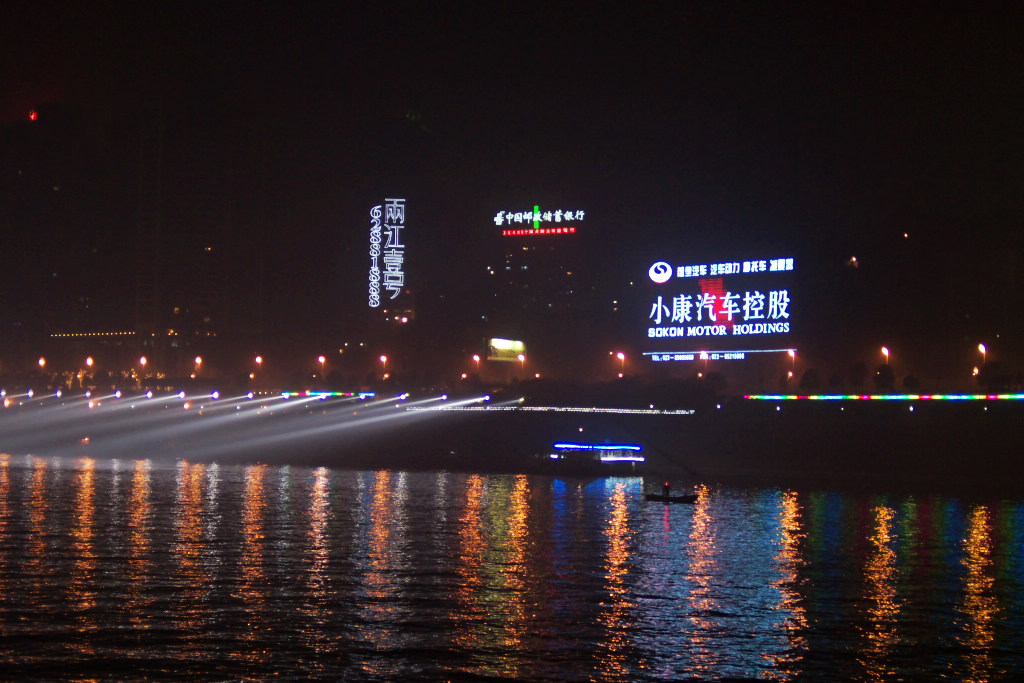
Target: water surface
x=114, y=569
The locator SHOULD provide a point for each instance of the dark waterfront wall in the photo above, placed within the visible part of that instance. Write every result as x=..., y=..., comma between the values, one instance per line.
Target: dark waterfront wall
x=960, y=448
x=954, y=447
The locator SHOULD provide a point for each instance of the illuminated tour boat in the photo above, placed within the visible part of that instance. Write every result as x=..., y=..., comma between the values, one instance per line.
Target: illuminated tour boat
x=609, y=455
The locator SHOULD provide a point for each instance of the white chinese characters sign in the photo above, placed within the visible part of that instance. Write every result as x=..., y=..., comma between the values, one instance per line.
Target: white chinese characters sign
x=387, y=251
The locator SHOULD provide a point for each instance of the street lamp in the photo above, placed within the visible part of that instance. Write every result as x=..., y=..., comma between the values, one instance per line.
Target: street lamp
x=323, y=362
x=622, y=363
x=522, y=362
x=476, y=359
x=885, y=352
x=89, y=362
x=384, y=366
x=42, y=362
x=792, y=357
x=984, y=352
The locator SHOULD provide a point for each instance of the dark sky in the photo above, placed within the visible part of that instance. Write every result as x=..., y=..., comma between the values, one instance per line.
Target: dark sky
x=831, y=127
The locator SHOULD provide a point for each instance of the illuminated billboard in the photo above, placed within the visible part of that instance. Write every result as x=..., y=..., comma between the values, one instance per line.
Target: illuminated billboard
x=537, y=222
x=722, y=310
x=508, y=350
x=387, y=251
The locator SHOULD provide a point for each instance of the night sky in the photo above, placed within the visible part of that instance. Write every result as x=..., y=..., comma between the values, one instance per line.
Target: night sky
x=829, y=129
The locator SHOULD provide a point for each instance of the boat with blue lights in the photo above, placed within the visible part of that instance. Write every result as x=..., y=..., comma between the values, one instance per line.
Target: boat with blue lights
x=606, y=458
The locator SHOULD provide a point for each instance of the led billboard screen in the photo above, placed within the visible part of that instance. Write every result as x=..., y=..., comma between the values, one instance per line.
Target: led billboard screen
x=508, y=350
x=718, y=310
x=538, y=222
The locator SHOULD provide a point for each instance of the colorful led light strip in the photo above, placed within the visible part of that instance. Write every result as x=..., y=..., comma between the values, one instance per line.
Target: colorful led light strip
x=886, y=397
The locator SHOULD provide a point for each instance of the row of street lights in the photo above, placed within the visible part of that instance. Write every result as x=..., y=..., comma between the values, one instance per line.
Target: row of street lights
x=198, y=362
x=619, y=355
x=982, y=349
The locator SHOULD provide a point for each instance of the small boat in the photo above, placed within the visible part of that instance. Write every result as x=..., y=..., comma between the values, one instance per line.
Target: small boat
x=663, y=498
x=666, y=496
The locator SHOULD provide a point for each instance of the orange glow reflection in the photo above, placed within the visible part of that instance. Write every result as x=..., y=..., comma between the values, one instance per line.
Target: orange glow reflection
x=81, y=587
x=379, y=582
x=703, y=573
x=5, y=515
x=495, y=568
x=188, y=550
x=138, y=539
x=514, y=570
x=38, y=568
x=471, y=614
x=615, y=619
x=789, y=562
x=318, y=552
x=319, y=509
x=380, y=534
x=252, y=590
x=980, y=606
x=883, y=607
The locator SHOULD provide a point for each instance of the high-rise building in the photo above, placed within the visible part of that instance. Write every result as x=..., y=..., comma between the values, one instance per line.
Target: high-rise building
x=543, y=285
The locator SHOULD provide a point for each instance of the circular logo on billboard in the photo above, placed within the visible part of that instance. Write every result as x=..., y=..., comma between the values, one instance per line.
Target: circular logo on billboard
x=660, y=272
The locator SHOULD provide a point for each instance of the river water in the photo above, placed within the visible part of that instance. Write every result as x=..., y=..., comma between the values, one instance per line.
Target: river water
x=135, y=569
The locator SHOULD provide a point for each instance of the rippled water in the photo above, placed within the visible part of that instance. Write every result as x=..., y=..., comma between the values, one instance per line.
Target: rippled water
x=115, y=569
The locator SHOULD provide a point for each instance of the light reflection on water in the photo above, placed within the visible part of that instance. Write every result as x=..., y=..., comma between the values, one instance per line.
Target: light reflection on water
x=82, y=585
x=198, y=570
x=317, y=559
x=979, y=606
x=138, y=565
x=252, y=591
x=190, y=603
x=5, y=515
x=466, y=620
x=881, y=625
x=613, y=656
x=702, y=608
x=791, y=617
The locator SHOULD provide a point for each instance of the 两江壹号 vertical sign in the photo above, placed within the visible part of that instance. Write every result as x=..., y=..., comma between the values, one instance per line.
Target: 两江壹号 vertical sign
x=387, y=250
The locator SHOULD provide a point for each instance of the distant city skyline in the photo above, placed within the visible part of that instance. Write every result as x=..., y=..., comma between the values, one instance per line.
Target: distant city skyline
x=878, y=145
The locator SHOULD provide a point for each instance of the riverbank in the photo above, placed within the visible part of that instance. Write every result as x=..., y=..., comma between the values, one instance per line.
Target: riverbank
x=957, y=447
